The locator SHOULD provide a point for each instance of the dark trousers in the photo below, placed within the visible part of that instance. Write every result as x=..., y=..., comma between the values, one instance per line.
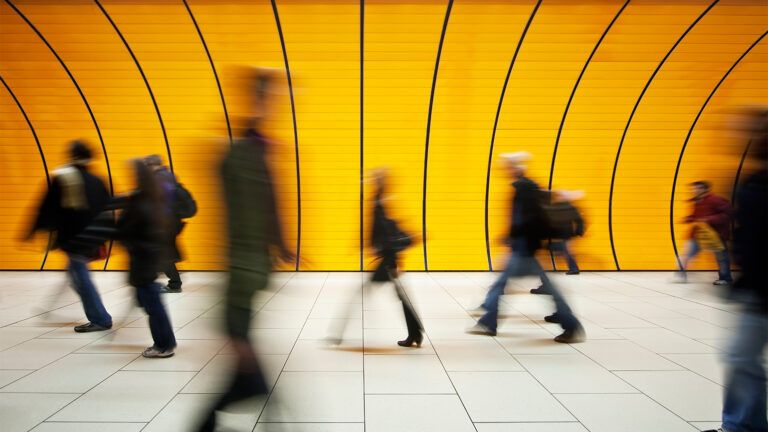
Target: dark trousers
x=81, y=281
x=159, y=323
x=387, y=271
x=174, y=279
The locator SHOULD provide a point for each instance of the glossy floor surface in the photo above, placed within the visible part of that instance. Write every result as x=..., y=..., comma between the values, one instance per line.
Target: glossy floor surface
x=651, y=362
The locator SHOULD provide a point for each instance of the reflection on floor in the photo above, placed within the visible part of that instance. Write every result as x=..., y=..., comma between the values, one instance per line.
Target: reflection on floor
x=651, y=361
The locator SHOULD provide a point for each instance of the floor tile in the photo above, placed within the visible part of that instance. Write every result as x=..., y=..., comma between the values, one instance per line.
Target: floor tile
x=416, y=413
x=572, y=373
x=202, y=328
x=309, y=427
x=316, y=355
x=23, y=411
x=75, y=373
x=507, y=397
x=532, y=341
x=216, y=375
x=88, y=427
x=530, y=427
x=9, y=376
x=481, y=354
x=384, y=341
x=125, y=340
x=185, y=413
x=316, y=397
x=710, y=366
x=317, y=328
x=611, y=413
x=692, y=328
x=280, y=319
x=624, y=355
x=663, y=341
x=127, y=396
x=190, y=355
x=10, y=336
x=405, y=374
x=686, y=394
x=36, y=353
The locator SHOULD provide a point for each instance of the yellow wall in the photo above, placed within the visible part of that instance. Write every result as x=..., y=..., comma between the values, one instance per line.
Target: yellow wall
x=581, y=71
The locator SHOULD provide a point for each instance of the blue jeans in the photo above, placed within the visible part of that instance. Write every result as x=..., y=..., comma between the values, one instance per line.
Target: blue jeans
x=723, y=261
x=159, y=323
x=81, y=280
x=562, y=247
x=745, y=392
x=522, y=263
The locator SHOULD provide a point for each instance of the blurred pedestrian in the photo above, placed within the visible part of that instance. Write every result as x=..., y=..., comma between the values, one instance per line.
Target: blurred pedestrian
x=254, y=233
x=528, y=229
x=74, y=199
x=142, y=227
x=712, y=217
x=179, y=206
x=744, y=407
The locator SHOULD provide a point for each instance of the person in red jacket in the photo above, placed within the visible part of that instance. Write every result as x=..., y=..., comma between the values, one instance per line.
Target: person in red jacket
x=715, y=211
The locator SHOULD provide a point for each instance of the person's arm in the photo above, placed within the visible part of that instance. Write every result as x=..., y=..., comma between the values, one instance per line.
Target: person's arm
x=47, y=212
x=722, y=214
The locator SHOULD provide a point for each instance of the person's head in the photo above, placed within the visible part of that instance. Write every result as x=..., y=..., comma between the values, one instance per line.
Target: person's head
x=380, y=178
x=79, y=153
x=515, y=163
x=146, y=184
x=154, y=162
x=700, y=188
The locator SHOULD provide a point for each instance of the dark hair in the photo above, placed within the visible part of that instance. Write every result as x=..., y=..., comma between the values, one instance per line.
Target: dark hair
x=153, y=160
x=702, y=184
x=149, y=192
x=79, y=151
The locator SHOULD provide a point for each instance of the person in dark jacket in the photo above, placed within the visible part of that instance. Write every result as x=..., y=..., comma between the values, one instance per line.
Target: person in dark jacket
x=527, y=231
x=74, y=199
x=167, y=182
x=255, y=233
x=716, y=212
x=142, y=227
x=744, y=405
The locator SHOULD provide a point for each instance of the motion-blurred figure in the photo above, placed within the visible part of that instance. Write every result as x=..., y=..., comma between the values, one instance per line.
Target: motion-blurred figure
x=254, y=228
x=388, y=240
x=711, y=216
x=179, y=206
x=143, y=227
x=528, y=229
x=744, y=408
x=75, y=198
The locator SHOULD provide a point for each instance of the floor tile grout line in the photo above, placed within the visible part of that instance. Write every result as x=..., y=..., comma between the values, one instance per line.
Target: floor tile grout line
x=362, y=324
x=295, y=342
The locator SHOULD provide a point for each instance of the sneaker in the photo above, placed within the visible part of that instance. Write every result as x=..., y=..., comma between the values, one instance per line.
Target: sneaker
x=155, y=352
x=572, y=272
x=572, y=336
x=478, y=311
x=539, y=290
x=481, y=329
x=90, y=327
x=168, y=290
x=721, y=282
x=552, y=318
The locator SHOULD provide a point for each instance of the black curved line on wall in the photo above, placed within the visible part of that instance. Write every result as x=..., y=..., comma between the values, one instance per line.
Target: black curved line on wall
x=144, y=77
x=39, y=149
x=629, y=121
x=295, y=129
x=495, y=126
x=362, y=129
x=568, y=106
x=213, y=68
x=82, y=96
x=738, y=174
x=688, y=137
x=429, y=128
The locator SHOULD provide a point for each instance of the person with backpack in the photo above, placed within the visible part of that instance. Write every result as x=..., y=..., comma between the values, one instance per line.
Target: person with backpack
x=529, y=227
x=74, y=200
x=179, y=206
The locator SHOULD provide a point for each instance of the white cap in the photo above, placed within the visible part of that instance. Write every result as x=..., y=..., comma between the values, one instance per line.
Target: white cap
x=516, y=158
x=567, y=195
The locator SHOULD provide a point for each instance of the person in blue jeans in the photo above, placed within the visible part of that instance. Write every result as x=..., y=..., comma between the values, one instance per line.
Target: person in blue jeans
x=74, y=199
x=526, y=235
x=744, y=406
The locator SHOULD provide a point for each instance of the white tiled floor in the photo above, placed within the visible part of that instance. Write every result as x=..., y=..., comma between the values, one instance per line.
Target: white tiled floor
x=652, y=361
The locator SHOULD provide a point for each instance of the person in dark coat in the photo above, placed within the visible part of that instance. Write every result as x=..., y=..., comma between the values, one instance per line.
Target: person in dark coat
x=255, y=234
x=142, y=228
x=167, y=182
x=744, y=405
x=716, y=212
x=74, y=199
x=527, y=231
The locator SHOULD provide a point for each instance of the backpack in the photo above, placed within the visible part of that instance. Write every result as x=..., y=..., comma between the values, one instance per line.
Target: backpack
x=184, y=205
x=559, y=220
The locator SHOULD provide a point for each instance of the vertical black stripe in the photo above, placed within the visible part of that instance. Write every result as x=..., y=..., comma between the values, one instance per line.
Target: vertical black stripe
x=39, y=149
x=629, y=121
x=213, y=67
x=429, y=127
x=688, y=137
x=295, y=129
x=362, y=117
x=495, y=126
x=144, y=77
x=738, y=175
x=82, y=96
x=568, y=106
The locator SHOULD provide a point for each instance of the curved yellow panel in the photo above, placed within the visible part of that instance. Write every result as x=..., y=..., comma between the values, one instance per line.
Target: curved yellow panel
x=398, y=78
x=557, y=46
x=646, y=170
